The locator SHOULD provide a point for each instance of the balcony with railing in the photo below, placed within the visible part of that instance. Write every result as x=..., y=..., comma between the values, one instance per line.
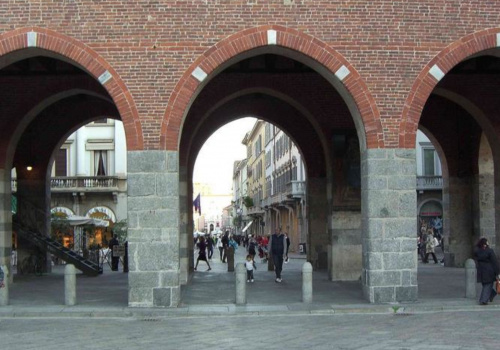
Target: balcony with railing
x=297, y=189
x=84, y=184
x=429, y=183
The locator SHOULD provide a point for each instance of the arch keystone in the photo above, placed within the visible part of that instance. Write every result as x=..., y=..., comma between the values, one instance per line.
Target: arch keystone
x=32, y=39
x=272, y=37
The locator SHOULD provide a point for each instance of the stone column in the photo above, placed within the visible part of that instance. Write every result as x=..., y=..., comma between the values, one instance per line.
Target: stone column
x=153, y=233
x=457, y=213
x=318, y=238
x=389, y=240
x=345, y=262
x=185, y=228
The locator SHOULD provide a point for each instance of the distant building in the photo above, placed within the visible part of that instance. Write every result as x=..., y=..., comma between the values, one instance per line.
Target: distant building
x=89, y=177
x=429, y=182
x=275, y=185
x=212, y=208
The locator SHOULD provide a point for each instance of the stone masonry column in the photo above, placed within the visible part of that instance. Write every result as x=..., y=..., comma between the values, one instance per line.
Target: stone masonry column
x=185, y=229
x=389, y=240
x=457, y=213
x=318, y=238
x=153, y=233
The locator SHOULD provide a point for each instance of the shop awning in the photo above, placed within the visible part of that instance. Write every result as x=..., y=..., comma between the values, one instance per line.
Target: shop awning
x=247, y=226
x=80, y=220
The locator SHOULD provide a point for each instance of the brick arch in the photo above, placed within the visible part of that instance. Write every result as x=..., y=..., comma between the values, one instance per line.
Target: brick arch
x=91, y=61
x=429, y=77
x=238, y=43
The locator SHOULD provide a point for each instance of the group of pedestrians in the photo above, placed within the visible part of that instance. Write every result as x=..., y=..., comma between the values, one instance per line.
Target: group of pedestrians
x=206, y=247
x=277, y=246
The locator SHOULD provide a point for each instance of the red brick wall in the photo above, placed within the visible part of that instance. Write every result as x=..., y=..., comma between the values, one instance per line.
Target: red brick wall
x=152, y=46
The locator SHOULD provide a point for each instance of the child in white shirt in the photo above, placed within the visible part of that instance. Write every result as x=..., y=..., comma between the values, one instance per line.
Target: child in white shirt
x=250, y=265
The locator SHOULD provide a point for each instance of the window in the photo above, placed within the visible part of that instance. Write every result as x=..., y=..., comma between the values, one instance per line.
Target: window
x=431, y=165
x=100, y=163
x=268, y=133
x=61, y=162
x=101, y=121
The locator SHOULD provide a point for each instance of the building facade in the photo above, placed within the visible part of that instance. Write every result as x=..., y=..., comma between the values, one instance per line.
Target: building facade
x=277, y=183
x=89, y=179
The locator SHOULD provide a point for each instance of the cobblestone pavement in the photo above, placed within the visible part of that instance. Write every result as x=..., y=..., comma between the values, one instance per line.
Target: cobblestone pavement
x=440, y=330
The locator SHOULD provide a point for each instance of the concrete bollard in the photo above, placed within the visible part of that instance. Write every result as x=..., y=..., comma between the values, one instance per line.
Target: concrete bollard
x=241, y=286
x=307, y=283
x=470, y=279
x=4, y=292
x=69, y=285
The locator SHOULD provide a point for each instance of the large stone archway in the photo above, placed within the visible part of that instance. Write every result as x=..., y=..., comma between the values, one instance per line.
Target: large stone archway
x=84, y=101
x=388, y=264
x=468, y=184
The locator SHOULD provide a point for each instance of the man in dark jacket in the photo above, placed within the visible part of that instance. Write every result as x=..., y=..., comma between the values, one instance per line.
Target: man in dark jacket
x=114, y=259
x=487, y=270
x=225, y=245
x=277, y=249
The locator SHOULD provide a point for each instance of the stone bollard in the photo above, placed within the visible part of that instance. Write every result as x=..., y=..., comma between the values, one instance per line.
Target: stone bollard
x=69, y=285
x=470, y=279
x=230, y=259
x=307, y=283
x=4, y=292
x=241, y=286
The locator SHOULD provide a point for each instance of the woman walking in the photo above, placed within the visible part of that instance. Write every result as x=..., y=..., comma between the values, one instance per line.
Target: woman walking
x=487, y=270
x=202, y=253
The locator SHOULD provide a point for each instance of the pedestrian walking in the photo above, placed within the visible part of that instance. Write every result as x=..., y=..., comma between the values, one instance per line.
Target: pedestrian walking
x=115, y=258
x=202, y=253
x=210, y=246
x=252, y=244
x=487, y=270
x=287, y=240
x=277, y=247
x=225, y=245
x=250, y=266
x=220, y=246
x=430, y=244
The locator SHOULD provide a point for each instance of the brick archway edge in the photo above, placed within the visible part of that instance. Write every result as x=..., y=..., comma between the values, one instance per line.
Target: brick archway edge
x=259, y=37
x=427, y=80
x=49, y=40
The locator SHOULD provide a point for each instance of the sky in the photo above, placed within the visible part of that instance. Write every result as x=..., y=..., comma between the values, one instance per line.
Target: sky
x=214, y=164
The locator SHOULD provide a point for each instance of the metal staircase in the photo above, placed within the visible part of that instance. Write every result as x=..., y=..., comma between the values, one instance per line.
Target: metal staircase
x=30, y=231
x=48, y=245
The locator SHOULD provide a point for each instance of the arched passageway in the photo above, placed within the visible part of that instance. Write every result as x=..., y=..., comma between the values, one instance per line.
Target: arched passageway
x=50, y=87
x=314, y=106
x=460, y=114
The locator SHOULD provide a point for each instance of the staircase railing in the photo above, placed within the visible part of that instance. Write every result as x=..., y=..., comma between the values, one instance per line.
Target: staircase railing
x=31, y=228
